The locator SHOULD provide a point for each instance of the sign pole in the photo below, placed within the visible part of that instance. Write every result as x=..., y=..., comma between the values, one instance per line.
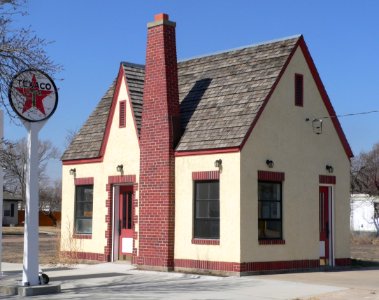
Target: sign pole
x=31, y=242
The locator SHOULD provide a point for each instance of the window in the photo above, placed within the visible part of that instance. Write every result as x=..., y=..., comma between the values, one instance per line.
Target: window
x=269, y=210
x=122, y=117
x=299, y=90
x=12, y=210
x=83, y=209
x=207, y=210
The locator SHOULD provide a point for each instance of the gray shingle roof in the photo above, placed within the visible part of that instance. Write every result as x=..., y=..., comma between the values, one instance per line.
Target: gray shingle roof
x=220, y=96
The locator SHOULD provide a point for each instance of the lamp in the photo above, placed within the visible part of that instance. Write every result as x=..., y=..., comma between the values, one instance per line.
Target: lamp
x=329, y=168
x=270, y=163
x=120, y=168
x=218, y=163
x=73, y=171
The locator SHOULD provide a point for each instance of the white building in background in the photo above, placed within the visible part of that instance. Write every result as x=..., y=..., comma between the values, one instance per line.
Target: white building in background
x=364, y=213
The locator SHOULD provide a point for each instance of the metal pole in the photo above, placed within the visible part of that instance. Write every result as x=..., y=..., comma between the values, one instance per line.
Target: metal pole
x=31, y=260
x=1, y=196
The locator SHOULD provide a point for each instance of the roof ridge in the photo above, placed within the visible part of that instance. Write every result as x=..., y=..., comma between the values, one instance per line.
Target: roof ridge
x=130, y=64
x=241, y=47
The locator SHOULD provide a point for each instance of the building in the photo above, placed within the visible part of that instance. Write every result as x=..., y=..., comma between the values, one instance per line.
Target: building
x=364, y=215
x=228, y=169
x=10, y=209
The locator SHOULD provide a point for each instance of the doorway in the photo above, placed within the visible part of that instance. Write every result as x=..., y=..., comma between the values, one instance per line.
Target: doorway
x=326, y=226
x=124, y=222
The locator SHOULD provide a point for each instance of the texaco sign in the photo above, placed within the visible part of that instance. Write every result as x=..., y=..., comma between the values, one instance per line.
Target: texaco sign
x=33, y=95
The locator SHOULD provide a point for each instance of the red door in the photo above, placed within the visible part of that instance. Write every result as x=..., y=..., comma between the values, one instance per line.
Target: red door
x=324, y=223
x=125, y=223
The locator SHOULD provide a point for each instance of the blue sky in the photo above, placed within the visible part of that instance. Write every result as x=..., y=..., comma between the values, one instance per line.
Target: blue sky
x=92, y=37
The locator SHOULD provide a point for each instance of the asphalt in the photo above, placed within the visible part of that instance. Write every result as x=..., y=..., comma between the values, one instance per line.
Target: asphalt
x=122, y=281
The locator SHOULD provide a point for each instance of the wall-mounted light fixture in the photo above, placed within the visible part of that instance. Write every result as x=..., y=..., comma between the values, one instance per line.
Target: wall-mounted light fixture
x=73, y=171
x=218, y=163
x=270, y=163
x=120, y=168
x=329, y=168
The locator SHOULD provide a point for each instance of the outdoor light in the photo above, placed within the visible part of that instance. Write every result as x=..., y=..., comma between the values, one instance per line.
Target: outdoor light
x=270, y=163
x=218, y=163
x=73, y=171
x=120, y=168
x=329, y=168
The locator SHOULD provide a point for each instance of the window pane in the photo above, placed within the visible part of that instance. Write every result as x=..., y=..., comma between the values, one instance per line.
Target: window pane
x=207, y=210
x=202, y=190
x=269, y=229
x=265, y=213
x=269, y=191
x=275, y=210
x=83, y=209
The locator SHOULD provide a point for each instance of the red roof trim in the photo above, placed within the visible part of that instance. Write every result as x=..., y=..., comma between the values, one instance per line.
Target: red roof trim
x=207, y=152
x=120, y=76
x=325, y=98
x=82, y=161
x=270, y=93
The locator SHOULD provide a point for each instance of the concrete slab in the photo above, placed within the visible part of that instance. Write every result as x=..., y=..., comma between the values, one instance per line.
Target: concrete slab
x=39, y=290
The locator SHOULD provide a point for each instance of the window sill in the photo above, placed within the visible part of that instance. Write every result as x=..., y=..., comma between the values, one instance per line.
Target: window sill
x=82, y=236
x=205, y=241
x=272, y=242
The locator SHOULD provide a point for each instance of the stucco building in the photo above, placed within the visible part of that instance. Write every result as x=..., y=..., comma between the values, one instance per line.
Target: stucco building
x=218, y=163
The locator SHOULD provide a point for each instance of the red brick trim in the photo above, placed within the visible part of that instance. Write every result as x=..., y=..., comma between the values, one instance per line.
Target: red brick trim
x=117, y=179
x=248, y=266
x=270, y=176
x=84, y=181
x=205, y=242
x=327, y=179
x=272, y=242
x=84, y=255
x=82, y=236
x=207, y=152
x=206, y=175
x=343, y=261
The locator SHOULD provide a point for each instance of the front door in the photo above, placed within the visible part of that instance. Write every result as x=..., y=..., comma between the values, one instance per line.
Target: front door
x=125, y=222
x=324, y=225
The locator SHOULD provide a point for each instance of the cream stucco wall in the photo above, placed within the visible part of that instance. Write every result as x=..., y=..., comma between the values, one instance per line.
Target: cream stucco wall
x=283, y=135
x=229, y=248
x=122, y=148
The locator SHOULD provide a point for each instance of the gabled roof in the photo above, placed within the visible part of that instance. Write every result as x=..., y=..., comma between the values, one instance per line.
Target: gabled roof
x=221, y=97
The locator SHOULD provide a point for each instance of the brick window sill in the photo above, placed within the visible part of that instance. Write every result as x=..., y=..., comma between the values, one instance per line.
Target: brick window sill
x=82, y=236
x=272, y=242
x=205, y=241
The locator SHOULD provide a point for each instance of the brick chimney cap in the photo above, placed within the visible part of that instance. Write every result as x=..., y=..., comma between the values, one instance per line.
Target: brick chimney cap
x=161, y=17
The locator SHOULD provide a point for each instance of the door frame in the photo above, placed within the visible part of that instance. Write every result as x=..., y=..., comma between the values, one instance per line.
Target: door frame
x=331, y=218
x=115, y=217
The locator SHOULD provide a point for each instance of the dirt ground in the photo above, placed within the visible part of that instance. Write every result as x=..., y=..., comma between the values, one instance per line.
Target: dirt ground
x=363, y=248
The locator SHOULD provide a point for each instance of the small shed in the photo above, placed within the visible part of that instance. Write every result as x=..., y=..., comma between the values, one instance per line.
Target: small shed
x=364, y=216
x=10, y=208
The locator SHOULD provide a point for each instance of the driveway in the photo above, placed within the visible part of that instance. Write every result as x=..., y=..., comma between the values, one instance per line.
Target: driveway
x=120, y=281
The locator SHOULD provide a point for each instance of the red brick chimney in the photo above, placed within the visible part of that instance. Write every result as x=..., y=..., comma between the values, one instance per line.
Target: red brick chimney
x=159, y=134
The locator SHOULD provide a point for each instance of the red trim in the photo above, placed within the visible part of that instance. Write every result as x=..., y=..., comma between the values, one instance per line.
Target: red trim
x=84, y=181
x=269, y=94
x=206, y=175
x=207, y=152
x=343, y=261
x=325, y=98
x=270, y=176
x=82, y=236
x=272, y=242
x=122, y=114
x=84, y=255
x=82, y=161
x=299, y=89
x=247, y=266
x=326, y=179
x=120, y=76
x=205, y=242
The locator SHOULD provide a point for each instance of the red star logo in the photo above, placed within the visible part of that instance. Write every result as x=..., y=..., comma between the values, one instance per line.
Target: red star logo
x=34, y=96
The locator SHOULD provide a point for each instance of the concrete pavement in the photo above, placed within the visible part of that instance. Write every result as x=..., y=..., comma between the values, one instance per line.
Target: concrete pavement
x=121, y=280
